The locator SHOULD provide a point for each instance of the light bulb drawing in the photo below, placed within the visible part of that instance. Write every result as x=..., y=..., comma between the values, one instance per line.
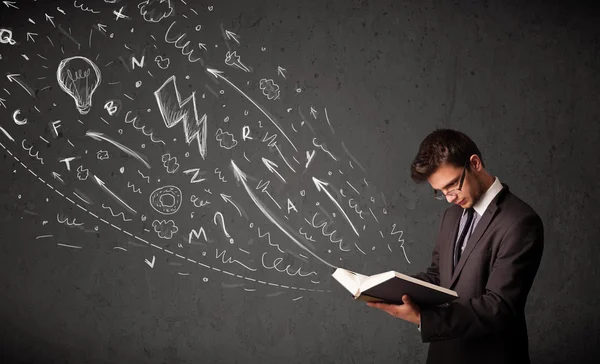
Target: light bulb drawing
x=79, y=77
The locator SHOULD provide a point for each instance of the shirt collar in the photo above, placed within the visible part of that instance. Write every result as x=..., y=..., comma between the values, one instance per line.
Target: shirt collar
x=487, y=197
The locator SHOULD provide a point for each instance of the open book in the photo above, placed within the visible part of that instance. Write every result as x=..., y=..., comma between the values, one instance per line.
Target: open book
x=390, y=286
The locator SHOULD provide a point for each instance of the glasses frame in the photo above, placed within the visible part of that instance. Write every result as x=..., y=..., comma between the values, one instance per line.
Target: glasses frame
x=443, y=196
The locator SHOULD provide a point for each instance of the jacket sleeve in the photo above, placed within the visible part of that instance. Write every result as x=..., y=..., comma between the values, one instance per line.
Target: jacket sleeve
x=432, y=274
x=511, y=277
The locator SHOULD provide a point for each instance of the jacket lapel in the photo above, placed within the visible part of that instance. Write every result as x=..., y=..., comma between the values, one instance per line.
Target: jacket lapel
x=475, y=237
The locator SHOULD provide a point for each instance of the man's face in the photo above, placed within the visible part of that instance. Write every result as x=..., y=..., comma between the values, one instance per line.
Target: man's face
x=447, y=178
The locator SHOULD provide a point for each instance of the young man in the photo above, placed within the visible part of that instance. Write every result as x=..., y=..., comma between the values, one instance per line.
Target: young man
x=488, y=250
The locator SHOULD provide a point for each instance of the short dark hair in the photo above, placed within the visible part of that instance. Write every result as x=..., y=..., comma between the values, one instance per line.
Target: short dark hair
x=442, y=146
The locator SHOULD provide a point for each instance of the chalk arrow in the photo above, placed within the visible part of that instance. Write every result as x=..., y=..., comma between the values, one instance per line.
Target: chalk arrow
x=49, y=18
x=2, y=102
x=151, y=264
x=228, y=199
x=218, y=74
x=30, y=36
x=232, y=36
x=202, y=45
x=280, y=71
x=58, y=177
x=101, y=27
x=322, y=186
x=313, y=112
x=13, y=78
x=271, y=167
x=10, y=4
x=103, y=186
x=241, y=176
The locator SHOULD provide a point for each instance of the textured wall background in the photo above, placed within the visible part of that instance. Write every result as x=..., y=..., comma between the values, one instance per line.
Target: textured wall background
x=520, y=78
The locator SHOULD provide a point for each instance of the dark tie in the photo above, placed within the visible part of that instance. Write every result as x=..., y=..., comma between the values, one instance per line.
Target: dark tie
x=461, y=239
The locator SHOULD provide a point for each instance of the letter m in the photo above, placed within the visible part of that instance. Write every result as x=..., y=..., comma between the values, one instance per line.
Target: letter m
x=173, y=111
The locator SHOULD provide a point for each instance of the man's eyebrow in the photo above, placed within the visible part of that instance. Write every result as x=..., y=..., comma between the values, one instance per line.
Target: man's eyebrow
x=451, y=183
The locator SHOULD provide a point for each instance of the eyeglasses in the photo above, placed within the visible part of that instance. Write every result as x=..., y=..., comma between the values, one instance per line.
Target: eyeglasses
x=439, y=195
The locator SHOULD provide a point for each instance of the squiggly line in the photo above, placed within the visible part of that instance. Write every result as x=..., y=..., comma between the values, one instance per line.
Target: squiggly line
x=218, y=172
x=229, y=260
x=119, y=214
x=84, y=8
x=36, y=155
x=268, y=235
x=355, y=207
x=203, y=203
x=142, y=128
x=306, y=236
x=323, y=225
x=146, y=177
x=130, y=185
x=278, y=261
x=66, y=221
x=325, y=150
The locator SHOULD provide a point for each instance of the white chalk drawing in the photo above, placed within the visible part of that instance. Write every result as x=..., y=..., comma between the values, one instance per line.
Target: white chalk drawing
x=165, y=228
x=84, y=8
x=281, y=71
x=114, y=196
x=185, y=50
x=150, y=263
x=79, y=78
x=30, y=152
x=174, y=110
x=202, y=203
x=14, y=77
x=6, y=37
x=271, y=166
x=149, y=244
x=218, y=172
x=277, y=262
x=232, y=36
x=229, y=260
x=166, y=200
x=147, y=178
x=16, y=119
x=225, y=139
x=142, y=128
x=322, y=186
x=269, y=88
x=101, y=137
x=233, y=59
x=120, y=214
x=242, y=178
x=133, y=188
x=170, y=163
x=154, y=11
x=162, y=62
x=82, y=173
x=222, y=225
x=196, y=172
x=102, y=155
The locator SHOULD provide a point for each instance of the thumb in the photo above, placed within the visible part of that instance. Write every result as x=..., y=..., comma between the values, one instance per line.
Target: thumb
x=405, y=298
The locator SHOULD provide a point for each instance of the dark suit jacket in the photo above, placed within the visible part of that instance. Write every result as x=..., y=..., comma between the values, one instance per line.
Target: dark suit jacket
x=486, y=324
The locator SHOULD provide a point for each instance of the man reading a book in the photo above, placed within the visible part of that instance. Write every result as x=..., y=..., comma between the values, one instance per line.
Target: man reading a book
x=488, y=249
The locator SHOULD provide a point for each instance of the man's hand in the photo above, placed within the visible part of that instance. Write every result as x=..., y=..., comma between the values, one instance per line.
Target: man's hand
x=409, y=311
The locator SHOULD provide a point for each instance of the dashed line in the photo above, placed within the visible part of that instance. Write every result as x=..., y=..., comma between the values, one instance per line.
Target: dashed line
x=138, y=238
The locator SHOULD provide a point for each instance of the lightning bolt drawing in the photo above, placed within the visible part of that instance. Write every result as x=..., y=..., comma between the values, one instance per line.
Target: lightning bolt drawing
x=173, y=111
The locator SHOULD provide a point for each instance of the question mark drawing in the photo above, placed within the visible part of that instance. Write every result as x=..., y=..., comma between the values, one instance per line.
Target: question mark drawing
x=223, y=225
